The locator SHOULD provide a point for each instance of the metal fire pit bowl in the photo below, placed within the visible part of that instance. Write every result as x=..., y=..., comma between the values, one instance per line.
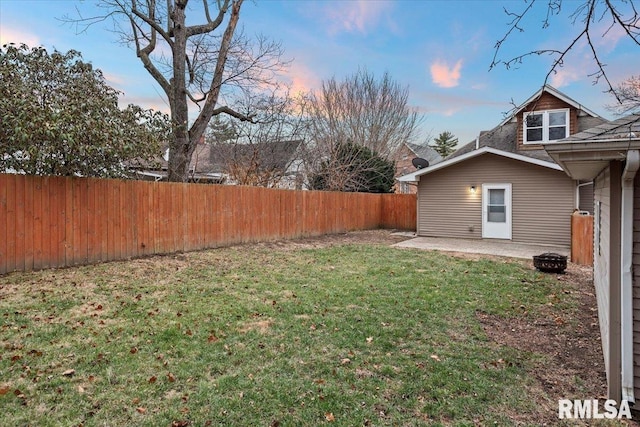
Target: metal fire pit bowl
x=550, y=263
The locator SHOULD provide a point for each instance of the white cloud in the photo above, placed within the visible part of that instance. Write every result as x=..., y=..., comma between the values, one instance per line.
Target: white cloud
x=356, y=16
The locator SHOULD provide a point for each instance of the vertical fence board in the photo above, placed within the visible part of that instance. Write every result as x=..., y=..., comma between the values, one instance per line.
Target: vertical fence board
x=83, y=188
x=166, y=224
x=17, y=226
x=112, y=220
x=582, y=239
x=102, y=222
x=12, y=232
x=56, y=207
x=68, y=222
x=4, y=235
x=142, y=223
x=93, y=245
x=24, y=188
x=132, y=219
x=35, y=186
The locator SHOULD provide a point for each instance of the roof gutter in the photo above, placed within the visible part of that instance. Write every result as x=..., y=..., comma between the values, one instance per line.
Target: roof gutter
x=626, y=285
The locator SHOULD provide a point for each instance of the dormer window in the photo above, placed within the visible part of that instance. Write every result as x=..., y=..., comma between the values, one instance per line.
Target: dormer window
x=545, y=126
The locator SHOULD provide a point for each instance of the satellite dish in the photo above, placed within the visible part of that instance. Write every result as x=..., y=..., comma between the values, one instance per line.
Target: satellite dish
x=420, y=163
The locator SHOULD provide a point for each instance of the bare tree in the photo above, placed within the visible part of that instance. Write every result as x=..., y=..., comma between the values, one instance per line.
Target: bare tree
x=346, y=116
x=205, y=64
x=628, y=95
x=620, y=15
x=265, y=151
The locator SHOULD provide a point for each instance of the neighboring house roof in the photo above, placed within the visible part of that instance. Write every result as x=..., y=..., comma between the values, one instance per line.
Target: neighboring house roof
x=502, y=139
x=276, y=155
x=425, y=152
x=209, y=161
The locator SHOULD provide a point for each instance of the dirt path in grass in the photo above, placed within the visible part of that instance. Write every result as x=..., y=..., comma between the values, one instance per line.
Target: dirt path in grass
x=573, y=365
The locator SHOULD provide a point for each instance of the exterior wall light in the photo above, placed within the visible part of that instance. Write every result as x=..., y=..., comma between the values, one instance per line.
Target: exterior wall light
x=472, y=189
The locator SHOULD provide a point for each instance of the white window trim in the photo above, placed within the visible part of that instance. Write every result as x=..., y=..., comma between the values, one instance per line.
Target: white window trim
x=545, y=125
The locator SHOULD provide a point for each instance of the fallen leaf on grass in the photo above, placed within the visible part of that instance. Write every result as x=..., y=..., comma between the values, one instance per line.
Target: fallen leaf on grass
x=435, y=357
x=4, y=390
x=369, y=340
x=171, y=377
x=329, y=417
x=141, y=409
x=69, y=372
x=212, y=338
x=153, y=379
x=345, y=361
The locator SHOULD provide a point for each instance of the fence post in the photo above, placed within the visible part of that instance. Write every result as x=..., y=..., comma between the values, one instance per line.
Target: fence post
x=581, y=239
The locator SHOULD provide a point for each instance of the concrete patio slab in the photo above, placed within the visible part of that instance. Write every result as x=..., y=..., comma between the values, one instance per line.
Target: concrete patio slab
x=476, y=246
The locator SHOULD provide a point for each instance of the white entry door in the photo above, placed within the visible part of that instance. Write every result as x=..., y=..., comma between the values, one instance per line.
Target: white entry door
x=496, y=211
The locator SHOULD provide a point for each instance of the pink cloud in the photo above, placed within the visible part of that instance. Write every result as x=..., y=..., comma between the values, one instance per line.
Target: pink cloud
x=13, y=35
x=356, y=16
x=300, y=78
x=445, y=76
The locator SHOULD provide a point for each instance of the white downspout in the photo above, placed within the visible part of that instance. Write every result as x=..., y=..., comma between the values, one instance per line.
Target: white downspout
x=626, y=285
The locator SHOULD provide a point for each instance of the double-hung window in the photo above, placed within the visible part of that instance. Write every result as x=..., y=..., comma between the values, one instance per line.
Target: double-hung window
x=545, y=126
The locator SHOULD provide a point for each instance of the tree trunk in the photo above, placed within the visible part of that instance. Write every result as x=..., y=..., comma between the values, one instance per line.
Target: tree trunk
x=179, y=148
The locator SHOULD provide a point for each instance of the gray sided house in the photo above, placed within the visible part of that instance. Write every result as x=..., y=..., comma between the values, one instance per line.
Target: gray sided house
x=609, y=154
x=269, y=164
x=504, y=185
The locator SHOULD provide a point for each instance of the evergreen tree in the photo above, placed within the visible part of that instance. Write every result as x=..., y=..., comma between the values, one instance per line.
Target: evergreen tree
x=354, y=168
x=445, y=143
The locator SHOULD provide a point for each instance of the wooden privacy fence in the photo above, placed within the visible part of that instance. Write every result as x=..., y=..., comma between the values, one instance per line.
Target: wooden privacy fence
x=582, y=239
x=57, y=221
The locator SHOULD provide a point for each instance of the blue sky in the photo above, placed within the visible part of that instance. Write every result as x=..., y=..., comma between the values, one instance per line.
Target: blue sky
x=441, y=50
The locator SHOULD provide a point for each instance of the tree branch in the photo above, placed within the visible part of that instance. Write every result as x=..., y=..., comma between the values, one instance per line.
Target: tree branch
x=200, y=124
x=210, y=25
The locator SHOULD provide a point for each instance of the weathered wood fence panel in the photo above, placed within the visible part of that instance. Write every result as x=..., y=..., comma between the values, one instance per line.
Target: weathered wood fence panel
x=56, y=221
x=582, y=239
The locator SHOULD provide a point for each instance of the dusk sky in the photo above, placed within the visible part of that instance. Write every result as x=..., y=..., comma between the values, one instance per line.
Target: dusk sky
x=441, y=50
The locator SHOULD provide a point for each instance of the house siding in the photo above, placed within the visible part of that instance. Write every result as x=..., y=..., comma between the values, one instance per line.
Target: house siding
x=542, y=200
x=545, y=102
x=586, y=198
x=636, y=286
x=602, y=223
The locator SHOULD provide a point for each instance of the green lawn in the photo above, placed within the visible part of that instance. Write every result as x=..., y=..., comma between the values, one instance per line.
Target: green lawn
x=261, y=336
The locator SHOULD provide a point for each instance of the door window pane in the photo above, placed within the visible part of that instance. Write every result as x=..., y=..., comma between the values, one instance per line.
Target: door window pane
x=497, y=214
x=496, y=196
x=496, y=209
